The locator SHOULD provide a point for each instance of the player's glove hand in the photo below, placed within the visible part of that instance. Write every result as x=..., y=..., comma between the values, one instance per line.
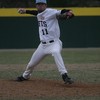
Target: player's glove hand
x=66, y=14
x=69, y=14
x=21, y=11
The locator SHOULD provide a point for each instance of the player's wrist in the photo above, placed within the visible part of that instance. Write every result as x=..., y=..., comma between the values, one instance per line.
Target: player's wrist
x=22, y=11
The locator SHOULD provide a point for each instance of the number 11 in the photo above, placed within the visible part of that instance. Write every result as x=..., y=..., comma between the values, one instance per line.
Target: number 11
x=45, y=32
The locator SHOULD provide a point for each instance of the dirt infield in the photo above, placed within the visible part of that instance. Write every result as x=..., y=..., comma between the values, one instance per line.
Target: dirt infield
x=46, y=88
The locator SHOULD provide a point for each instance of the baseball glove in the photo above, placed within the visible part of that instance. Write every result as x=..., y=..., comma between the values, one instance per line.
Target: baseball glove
x=66, y=14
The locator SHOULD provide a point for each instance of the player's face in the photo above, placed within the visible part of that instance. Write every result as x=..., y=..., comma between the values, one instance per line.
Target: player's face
x=41, y=7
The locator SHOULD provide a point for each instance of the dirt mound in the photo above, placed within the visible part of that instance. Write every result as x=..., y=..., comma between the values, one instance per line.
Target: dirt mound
x=46, y=88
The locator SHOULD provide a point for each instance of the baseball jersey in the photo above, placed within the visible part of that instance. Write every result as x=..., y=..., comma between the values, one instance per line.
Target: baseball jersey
x=48, y=24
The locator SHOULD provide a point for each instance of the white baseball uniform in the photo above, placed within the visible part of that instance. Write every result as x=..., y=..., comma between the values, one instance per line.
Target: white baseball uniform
x=49, y=34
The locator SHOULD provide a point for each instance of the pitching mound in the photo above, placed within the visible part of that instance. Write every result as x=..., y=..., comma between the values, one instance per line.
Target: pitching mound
x=46, y=88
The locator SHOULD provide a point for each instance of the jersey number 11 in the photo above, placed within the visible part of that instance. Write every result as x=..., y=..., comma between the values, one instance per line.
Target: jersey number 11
x=44, y=31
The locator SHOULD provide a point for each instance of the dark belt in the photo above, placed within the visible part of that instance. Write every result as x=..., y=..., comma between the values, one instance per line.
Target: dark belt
x=48, y=42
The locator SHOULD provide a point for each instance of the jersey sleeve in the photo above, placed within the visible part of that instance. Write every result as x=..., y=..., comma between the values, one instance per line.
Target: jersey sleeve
x=54, y=13
x=58, y=12
x=32, y=12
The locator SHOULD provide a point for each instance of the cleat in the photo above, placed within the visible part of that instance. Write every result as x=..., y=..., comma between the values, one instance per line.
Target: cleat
x=66, y=79
x=21, y=78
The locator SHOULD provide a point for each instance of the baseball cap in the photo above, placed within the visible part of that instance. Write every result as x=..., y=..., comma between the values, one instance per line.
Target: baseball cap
x=41, y=1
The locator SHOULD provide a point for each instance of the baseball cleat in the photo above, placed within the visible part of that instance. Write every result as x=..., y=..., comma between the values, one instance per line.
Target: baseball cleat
x=66, y=79
x=20, y=79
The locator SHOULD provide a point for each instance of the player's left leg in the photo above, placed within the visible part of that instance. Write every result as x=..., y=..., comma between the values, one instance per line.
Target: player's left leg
x=59, y=62
x=56, y=53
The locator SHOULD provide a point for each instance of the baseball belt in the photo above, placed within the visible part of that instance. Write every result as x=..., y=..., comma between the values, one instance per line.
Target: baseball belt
x=48, y=42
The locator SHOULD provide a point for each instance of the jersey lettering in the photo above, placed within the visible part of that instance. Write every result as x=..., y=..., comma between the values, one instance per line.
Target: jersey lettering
x=42, y=23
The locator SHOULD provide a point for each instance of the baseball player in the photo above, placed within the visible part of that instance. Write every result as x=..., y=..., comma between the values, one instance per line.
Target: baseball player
x=49, y=34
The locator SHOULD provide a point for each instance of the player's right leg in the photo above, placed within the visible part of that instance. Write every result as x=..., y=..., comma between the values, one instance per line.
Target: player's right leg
x=37, y=56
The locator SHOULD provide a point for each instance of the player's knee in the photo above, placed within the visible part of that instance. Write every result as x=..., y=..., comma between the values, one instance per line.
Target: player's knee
x=56, y=52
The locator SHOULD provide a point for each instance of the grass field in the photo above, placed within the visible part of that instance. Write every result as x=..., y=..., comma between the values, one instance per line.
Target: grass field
x=83, y=66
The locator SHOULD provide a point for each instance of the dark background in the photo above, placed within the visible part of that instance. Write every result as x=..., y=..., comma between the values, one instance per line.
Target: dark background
x=22, y=32
x=51, y=3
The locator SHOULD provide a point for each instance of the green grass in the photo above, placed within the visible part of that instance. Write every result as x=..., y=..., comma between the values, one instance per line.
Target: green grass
x=86, y=76
x=15, y=56
x=83, y=66
x=69, y=55
x=82, y=55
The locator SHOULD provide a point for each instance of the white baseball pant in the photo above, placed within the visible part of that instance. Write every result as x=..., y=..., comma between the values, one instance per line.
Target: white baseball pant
x=53, y=48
